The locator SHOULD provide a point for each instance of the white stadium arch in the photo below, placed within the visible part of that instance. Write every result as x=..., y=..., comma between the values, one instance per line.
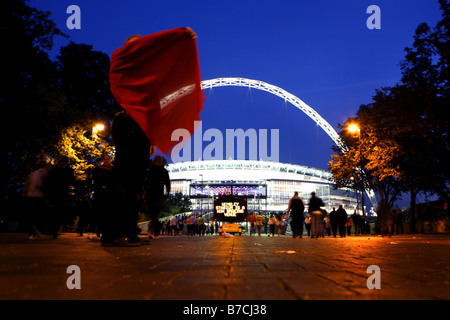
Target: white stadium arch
x=289, y=97
x=279, y=92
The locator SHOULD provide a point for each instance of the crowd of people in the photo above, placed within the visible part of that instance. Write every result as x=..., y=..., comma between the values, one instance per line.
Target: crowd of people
x=314, y=224
x=317, y=222
x=117, y=189
x=190, y=225
x=47, y=189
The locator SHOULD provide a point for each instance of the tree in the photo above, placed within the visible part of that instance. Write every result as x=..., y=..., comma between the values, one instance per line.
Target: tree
x=83, y=150
x=363, y=162
x=405, y=140
x=30, y=99
x=424, y=89
x=176, y=204
x=379, y=128
x=84, y=78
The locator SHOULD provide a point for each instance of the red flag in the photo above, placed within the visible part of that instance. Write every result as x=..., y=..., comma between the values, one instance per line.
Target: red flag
x=156, y=80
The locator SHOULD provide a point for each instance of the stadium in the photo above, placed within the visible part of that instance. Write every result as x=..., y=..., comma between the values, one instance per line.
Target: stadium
x=266, y=183
x=268, y=186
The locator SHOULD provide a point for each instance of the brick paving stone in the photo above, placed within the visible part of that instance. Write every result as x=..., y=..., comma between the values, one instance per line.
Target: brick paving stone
x=216, y=268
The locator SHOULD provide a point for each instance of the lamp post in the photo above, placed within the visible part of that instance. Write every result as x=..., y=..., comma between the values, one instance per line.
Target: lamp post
x=356, y=130
x=95, y=129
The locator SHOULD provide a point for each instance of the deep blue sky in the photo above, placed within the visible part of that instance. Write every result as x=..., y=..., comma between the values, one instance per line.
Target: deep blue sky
x=321, y=51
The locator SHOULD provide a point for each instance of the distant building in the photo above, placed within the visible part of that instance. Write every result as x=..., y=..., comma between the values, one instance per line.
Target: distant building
x=268, y=186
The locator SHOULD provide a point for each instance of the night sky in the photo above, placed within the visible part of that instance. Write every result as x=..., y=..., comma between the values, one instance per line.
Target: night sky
x=320, y=51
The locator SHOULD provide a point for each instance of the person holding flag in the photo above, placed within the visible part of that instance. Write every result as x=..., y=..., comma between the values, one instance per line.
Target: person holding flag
x=156, y=81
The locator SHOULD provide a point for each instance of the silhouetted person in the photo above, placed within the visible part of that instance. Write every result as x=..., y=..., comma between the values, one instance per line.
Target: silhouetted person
x=333, y=222
x=129, y=169
x=308, y=224
x=60, y=179
x=341, y=220
x=398, y=222
x=385, y=219
x=36, y=209
x=102, y=206
x=314, y=206
x=296, y=208
x=355, y=220
x=155, y=195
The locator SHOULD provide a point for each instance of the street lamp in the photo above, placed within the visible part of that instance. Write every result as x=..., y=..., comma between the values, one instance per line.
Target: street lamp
x=95, y=129
x=99, y=127
x=355, y=129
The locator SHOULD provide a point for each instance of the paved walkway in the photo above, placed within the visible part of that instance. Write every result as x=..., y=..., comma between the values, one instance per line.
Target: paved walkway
x=213, y=267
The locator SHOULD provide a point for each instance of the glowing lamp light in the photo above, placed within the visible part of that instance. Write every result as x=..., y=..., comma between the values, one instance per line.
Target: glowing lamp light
x=99, y=127
x=353, y=128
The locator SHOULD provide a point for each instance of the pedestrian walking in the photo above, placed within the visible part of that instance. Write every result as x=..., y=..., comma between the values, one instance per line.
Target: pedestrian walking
x=102, y=205
x=296, y=208
x=182, y=227
x=349, y=226
x=173, y=223
x=279, y=224
x=362, y=225
x=333, y=222
x=201, y=225
x=191, y=224
x=129, y=169
x=328, y=225
x=286, y=222
x=252, y=219
x=341, y=220
x=141, y=98
x=60, y=180
x=308, y=225
x=36, y=211
x=211, y=227
x=314, y=206
x=259, y=223
x=216, y=227
x=385, y=219
x=272, y=224
x=398, y=222
x=355, y=222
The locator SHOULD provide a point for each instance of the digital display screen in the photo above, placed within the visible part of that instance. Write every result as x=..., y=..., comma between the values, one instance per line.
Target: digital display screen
x=232, y=209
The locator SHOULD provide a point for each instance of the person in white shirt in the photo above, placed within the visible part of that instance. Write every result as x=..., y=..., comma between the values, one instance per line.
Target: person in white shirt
x=173, y=226
x=36, y=208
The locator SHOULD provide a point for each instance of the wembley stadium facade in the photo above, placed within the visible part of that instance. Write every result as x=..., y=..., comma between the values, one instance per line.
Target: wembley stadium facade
x=267, y=185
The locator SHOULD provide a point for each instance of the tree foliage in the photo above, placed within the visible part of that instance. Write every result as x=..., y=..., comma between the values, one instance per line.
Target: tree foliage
x=83, y=150
x=49, y=107
x=84, y=80
x=176, y=204
x=404, y=139
x=30, y=98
